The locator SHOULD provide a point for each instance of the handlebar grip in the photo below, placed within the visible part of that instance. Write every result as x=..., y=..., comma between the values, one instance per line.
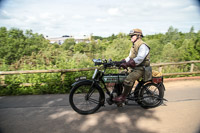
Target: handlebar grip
x=118, y=63
x=110, y=64
x=97, y=63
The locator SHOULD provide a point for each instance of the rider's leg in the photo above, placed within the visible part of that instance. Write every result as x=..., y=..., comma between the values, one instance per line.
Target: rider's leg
x=122, y=97
x=128, y=83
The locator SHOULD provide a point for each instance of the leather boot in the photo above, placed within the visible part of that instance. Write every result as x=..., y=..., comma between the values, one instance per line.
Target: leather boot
x=122, y=97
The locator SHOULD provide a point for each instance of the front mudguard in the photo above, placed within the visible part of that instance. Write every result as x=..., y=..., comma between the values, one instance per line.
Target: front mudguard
x=102, y=102
x=79, y=81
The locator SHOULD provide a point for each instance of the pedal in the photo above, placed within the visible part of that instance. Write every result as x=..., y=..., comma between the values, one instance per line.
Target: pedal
x=108, y=100
x=126, y=102
x=119, y=104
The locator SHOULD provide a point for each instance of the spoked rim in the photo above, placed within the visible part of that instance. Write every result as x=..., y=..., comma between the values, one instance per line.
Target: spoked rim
x=84, y=101
x=151, y=95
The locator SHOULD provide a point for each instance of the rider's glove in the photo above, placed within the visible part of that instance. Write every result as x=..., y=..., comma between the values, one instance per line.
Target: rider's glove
x=123, y=60
x=130, y=63
x=118, y=63
x=123, y=65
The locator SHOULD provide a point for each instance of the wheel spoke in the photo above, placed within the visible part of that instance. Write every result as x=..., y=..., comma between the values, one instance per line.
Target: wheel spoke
x=89, y=94
x=150, y=95
x=93, y=100
x=85, y=98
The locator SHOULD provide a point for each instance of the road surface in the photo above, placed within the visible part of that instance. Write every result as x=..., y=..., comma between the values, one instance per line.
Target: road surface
x=52, y=114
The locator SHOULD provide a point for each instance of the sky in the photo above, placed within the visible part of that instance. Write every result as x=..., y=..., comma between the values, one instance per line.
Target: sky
x=55, y=18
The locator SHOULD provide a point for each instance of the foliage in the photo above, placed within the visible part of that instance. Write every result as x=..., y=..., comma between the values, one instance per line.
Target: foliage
x=14, y=44
x=21, y=50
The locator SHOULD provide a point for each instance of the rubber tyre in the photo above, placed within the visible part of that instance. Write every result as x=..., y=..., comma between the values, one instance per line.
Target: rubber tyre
x=145, y=89
x=77, y=88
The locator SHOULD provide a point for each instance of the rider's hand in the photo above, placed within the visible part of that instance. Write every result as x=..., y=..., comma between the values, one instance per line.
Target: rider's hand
x=123, y=65
x=131, y=63
x=118, y=63
x=123, y=61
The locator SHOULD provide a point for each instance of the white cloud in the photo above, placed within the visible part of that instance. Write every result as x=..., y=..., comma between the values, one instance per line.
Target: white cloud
x=191, y=8
x=114, y=11
x=78, y=17
x=55, y=18
x=45, y=15
x=29, y=19
x=4, y=14
x=101, y=19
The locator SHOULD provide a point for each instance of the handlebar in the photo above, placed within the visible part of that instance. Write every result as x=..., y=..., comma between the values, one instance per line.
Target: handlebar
x=106, y=63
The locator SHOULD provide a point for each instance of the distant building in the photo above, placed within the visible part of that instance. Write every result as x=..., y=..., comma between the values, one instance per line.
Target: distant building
x=78, y=39
x=83, y=38
x=59, y=40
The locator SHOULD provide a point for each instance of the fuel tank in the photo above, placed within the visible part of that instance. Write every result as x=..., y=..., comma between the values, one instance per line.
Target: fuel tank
x=114, y=78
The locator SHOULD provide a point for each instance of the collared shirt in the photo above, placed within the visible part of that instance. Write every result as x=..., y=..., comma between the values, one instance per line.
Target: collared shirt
x=142, y=53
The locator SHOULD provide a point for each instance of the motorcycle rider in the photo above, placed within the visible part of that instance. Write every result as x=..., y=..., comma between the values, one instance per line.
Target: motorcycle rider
x=138, y=58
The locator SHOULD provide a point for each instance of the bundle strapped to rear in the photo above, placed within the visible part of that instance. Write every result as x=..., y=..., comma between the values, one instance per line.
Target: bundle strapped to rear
x=157, y=77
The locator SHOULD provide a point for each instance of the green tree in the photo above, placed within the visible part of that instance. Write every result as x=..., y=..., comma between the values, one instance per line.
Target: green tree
x=169, y=54
x=3, y=41
x=197, y=42
x=68, y=43
x=156, y=49
x=15, y=44
x=119, y=48
x=171, y=34
x=188, y=52
x=81, y=47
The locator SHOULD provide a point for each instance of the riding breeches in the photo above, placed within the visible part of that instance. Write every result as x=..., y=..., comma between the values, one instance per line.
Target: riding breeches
x=134, y=75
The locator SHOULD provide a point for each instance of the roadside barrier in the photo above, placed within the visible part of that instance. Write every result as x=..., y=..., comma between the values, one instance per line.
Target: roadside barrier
x=64, y=71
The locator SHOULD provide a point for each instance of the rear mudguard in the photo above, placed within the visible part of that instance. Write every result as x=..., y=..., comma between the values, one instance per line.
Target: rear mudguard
x=102, y=102
x=161, y=85
x=139, y=85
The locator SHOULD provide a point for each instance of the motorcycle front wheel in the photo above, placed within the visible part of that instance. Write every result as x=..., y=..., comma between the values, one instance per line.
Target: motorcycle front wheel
x=85, y=98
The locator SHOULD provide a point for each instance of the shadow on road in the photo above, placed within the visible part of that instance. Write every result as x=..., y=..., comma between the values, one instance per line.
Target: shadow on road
x=54, y=115
x=108, y=119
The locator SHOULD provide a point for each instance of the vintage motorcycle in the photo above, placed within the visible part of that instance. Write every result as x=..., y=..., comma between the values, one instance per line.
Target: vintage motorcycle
x=87, y=96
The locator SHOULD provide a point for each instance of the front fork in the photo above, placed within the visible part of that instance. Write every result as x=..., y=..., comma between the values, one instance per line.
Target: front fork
x=91, y=91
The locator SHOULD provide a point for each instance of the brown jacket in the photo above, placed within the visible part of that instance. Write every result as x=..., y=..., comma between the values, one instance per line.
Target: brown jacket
x=134, y=52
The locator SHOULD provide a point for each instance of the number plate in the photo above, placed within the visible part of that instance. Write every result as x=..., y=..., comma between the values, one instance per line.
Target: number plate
x=80, y=78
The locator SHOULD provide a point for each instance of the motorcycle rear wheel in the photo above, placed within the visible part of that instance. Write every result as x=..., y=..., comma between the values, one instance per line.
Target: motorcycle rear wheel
x=151, y=96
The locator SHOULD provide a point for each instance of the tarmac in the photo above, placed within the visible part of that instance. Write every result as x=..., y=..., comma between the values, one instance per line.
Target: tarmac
x=53, y=114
